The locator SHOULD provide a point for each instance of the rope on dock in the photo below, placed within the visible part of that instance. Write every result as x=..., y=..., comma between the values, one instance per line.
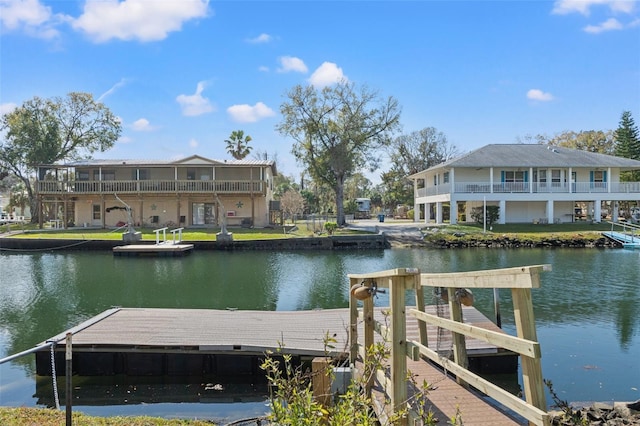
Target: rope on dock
x=38, y=348
x=53, y=376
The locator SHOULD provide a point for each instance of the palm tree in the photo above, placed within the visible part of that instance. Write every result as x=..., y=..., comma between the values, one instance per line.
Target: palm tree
x=238, y=144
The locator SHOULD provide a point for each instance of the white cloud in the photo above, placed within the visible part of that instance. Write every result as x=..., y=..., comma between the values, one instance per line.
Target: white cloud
x=141, y=20
x=125, y=139
x=142, y=125
x=262, y=38
x=250, y=114
x=608, y=25
x=539, y=95
x=564, y=7
x=291, y=63
x=193, y=143
x=113, y=88
x=30, y=16
x=263, y=68
x=195, y=104
x=7, y=108
x=326, y=74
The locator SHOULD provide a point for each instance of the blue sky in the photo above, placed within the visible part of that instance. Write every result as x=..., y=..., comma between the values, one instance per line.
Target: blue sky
x=183, y=74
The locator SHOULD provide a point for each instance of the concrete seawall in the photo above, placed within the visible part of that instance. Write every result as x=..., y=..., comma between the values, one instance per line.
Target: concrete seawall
x=348, y=242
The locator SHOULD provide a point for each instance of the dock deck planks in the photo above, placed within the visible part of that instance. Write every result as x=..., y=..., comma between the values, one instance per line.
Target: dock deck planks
x=209, y=330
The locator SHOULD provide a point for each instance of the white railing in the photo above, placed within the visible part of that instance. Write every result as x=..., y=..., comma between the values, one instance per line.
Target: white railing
x=152, y=186
x=534, y=187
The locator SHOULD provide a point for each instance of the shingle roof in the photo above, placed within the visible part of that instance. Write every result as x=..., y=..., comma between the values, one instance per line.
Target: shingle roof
x=194, y=160
x=535, y=155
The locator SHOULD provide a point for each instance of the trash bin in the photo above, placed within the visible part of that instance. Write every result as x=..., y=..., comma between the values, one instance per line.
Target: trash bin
x=380, y=218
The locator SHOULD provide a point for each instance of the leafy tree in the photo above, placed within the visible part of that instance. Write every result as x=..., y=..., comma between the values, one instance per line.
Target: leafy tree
x=398, y=190
x=18, y=198
x=292, y=204
x=238, y=144
x=46, y=131
x=420, y=150
x=628, y=142
x=337, y=131
x=356, y=186
x=412, y=153
x=597, y=141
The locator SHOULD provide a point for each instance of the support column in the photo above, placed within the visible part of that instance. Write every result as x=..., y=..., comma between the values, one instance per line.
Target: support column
x=550, y=211
x=502, y=219
x=453, y=212
x=438, y=212
x=615, y=211
x=597, y=212
x=427, y=213
x=491, y=180
x=416, y=211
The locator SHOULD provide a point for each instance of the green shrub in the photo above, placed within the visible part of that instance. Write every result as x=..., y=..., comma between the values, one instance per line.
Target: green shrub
x=493, y=213
x=330, y=227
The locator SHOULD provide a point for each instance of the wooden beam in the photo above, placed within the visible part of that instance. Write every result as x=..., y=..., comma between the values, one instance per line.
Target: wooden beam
x=532, y=382
x=519, y=277
x=522, y=346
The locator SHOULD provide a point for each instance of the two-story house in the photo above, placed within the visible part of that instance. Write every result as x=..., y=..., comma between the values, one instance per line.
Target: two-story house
x=529, y=183
x=191, y=192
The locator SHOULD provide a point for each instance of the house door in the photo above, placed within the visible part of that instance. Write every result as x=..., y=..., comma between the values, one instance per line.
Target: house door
x=204, y=214
x=96, y=215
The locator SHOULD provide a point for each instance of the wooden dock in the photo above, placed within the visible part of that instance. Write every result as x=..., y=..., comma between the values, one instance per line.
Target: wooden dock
x=240, y=331
x=162, y=249
x=193, y=342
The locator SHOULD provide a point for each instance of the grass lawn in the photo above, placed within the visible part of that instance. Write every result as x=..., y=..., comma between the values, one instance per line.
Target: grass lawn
x=49, y=417
x=190, y=234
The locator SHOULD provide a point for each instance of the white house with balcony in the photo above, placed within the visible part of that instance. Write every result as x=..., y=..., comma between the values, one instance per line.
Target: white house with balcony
x=529, y=184
x=192, y=192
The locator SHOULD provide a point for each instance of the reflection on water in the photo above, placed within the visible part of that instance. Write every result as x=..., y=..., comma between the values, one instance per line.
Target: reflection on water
x=587, y=309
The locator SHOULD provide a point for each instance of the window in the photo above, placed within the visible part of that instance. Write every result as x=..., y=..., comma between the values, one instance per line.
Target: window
x=542, y=178
x=556, y=177
x=514, y=176
x=140, y=174
x=598, y=179
x=83, y=175
x=106, y=175
x=445, y=177
x=97, y=212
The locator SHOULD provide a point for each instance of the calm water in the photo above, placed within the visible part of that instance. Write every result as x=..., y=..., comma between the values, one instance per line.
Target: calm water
x=587, y=313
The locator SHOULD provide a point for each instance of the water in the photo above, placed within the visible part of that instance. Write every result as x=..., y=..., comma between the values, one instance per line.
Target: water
x=587, y=312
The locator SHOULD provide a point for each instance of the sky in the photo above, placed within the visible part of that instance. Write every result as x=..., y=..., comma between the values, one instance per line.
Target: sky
x=183, y=74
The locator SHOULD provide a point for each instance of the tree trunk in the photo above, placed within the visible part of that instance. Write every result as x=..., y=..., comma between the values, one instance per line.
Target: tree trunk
x=340, y=201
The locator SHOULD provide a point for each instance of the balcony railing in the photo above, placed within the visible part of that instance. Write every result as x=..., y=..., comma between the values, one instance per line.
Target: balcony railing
x=153, y=187
x=531, y=187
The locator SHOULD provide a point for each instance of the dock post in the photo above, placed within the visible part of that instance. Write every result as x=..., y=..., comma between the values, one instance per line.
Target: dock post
x=68, y=382
x=321, y=380
x=496, y=307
